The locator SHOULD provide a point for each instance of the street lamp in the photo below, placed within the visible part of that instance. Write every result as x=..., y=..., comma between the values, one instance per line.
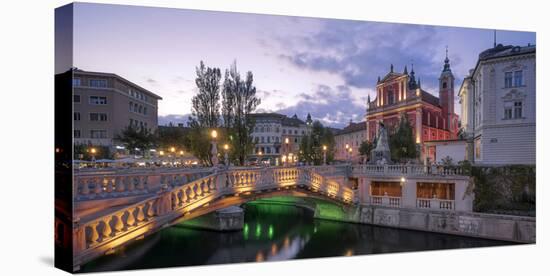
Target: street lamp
x=324, y=155
x=349, y=156
x=93, y=151
x=226, y=156
x=214, y=151
x=287, y=150
x=173, y=155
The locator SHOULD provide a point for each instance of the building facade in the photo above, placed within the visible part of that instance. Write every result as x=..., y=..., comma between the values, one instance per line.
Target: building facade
x=400, y=94
x=105, y=103
x=498, y=100
x=275, y=135
x=348, y=140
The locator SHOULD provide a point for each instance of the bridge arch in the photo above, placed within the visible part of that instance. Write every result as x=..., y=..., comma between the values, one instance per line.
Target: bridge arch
x=216, y=191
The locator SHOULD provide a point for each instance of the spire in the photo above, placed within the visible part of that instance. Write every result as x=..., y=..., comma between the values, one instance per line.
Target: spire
x=405, y=71
x=391, y=68
x=419, y=83
x=308, y=119
x=378, y=79
x=447, y=66
x=368, y=98
x=412, y=80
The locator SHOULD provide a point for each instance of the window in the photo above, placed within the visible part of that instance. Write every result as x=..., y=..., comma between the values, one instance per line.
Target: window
x=76, y=82
x=478, y=148
x=140, y=109
x=144, y=110
x=76, y=116
x=518, y=78
x=98, y=100
x=507, y=110
x=76, y=98
x=130, y=106
x=98, y=83
x=135, y=107
x=518, y=110
x=76, y=133
x=508, y=79
x=444, y=85
x=257, y=139
x=98, y=117
x=263, y=139
x=98, y=133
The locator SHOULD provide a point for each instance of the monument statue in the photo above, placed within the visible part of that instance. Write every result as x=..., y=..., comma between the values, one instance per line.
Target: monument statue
x=381, y=155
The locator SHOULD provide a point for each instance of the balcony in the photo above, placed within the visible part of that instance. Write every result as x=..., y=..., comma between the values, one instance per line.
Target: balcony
x=434, y=203
x=391, y=201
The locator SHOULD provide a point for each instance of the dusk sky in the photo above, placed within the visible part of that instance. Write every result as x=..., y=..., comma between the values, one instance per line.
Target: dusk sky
x=326, y=67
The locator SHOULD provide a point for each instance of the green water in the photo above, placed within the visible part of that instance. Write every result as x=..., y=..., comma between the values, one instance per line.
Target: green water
x=272, y=233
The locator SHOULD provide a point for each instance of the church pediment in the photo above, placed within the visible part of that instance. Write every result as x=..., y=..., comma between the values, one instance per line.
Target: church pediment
x=391, y=76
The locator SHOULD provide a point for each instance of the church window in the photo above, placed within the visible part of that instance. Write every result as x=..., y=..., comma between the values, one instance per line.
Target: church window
x=444, y=85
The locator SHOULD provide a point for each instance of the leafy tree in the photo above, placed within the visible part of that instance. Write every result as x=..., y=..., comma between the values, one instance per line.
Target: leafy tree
x=239, y=101
x=311, y=146
x=82, y=151
x=205, y=112
x=365, y=149
x=402, y=145
x=136, y=138
x=171, y=136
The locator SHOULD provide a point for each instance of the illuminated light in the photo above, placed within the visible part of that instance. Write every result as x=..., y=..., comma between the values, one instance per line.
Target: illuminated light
x=273, y=249
x=349, y=252
x=286, y=243
x=270, y=232
x=226, y=147
x=402, y=179
x=161, y=153
x=214, y=134
x=418, y=140
x=260, y=256
x=181, y=152
x=172, y=149
x=57, y=150
x=93, y=150
x=286, y=140
x=258, y=230
x=324, y=148
x=245, y=231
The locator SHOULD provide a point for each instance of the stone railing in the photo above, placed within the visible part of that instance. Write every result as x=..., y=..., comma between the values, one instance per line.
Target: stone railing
x=406, y=170
x=393, y=201
x=96, y=236
x=433, y=203
x=93, y=186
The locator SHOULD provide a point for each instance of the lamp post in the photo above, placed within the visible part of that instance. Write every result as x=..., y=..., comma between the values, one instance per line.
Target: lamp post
x=181, y=157
x=226, y=156
x=347, y=149
x=173, y=155
x=214, y=151
x=324, y=155
x=349, y=156
x=287, y=151
x=92, y=152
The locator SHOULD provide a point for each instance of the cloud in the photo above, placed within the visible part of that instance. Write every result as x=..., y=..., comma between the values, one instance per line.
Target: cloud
x=359, y=52
x=331, y=106
x=175, y=119
x=152, y=81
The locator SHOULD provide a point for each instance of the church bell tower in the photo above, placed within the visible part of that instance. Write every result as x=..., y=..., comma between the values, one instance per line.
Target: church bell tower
x=447, y=95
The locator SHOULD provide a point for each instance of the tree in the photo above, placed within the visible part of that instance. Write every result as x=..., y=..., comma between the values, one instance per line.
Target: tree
x=365, y=149
x=136, y=139
x=171, y=136
x=311, y=146
x=239, y=101
x=205, y=112
x=402, y=145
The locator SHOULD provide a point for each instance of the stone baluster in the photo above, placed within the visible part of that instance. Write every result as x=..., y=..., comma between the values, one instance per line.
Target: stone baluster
x=94, y=236
x=131, y=185
x=98, y=186
x=140, y=183
x=85, y=187
x=140, y=217
x=150, y=209
x=109, y=188
x=119, y=226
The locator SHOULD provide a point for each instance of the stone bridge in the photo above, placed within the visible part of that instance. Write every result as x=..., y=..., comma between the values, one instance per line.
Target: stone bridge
x=113, y=208
x=102, y=232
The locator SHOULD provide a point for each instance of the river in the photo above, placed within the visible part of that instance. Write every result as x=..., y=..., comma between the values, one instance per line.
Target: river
x=273, y=233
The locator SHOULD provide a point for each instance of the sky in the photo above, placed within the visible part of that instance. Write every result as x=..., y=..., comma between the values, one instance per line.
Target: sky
x=325, y=67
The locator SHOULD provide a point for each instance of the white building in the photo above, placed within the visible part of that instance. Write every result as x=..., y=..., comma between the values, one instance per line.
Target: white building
x=276, y=135
x=348, y=141
x=498, y=100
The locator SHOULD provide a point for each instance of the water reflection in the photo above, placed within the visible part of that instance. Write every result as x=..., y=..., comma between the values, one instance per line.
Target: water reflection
x=273, y=233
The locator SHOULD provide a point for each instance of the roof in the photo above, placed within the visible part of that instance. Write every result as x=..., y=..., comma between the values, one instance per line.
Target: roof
x=80, y=71
x=500, y=51
x=285, y=120
x=429, y=98
x=353, y=127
